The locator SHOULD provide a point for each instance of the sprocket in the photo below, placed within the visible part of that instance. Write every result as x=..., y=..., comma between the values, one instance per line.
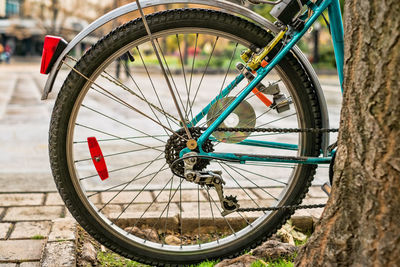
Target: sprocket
x=177, y=142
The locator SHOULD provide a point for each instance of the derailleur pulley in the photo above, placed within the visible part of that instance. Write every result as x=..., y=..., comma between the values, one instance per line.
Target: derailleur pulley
x=211, y=179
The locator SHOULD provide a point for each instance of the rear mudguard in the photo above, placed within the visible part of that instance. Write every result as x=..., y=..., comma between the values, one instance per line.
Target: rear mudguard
x=223, y=5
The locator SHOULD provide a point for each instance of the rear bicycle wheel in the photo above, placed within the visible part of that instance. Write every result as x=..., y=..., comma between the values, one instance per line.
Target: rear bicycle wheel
x=142, y=210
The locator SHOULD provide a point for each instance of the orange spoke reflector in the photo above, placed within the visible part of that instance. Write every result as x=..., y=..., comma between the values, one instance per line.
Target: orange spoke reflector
x=97, y=157
x=262, y=97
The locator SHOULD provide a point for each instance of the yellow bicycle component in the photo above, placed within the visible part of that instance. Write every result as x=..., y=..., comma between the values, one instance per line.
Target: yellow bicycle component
x=246, y=55
x=255, y=61
x=191, y=144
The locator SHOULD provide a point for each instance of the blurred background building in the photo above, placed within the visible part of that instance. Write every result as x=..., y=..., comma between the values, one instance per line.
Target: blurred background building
x=24, y=23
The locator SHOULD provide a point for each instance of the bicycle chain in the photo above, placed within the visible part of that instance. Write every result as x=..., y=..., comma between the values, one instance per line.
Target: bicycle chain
x=275, y=130
x=278, y=130
x=288, y=207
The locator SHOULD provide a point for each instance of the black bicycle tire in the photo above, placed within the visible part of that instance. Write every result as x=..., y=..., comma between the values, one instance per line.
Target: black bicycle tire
x=117, y=39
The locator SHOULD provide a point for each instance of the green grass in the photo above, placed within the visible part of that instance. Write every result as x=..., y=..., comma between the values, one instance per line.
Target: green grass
x=280, y=263
x=110, y=259
x=205, y=264
x=38, y=237
x=258, y=264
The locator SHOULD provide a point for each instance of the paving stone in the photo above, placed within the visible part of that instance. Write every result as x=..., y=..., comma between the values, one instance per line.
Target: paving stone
x=59, y=254
x=316, y=191
x=268, y=193
x=68, y=214
x=314, y=200
x=9, y=265
x=7, y=200
x=32, y=213
x=314, y=213
x=30, y=264
x=111, y=211
x=54, y=199
x=126, y=197
x=30, y=229
x=63, y=229
x=21, y=250
x=4, y=229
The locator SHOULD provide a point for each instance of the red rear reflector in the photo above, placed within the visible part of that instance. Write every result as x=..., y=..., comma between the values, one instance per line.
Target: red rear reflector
x=52, y=48
x=97, y=157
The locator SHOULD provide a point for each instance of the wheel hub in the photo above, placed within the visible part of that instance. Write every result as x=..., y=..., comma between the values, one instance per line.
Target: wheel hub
x=177, y=142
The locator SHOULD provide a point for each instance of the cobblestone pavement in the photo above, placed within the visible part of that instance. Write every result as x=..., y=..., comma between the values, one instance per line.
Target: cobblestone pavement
x=35, y=227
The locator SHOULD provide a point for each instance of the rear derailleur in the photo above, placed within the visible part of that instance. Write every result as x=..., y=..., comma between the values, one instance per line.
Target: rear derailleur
x=210, y=179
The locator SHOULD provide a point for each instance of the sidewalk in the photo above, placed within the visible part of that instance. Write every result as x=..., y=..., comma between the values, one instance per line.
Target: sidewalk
x=37, y=230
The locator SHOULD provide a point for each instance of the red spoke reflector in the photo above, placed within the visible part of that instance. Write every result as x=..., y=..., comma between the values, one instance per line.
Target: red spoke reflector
x=97, y=157
x=52, y=48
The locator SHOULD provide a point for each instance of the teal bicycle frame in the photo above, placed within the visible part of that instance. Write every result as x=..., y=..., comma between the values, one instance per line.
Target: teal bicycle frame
x=336, y=27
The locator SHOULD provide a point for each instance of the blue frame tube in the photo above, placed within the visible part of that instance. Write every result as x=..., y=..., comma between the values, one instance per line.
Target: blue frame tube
x=243, y=158
x=269, y=144
x=261, y=73
x=335, y=18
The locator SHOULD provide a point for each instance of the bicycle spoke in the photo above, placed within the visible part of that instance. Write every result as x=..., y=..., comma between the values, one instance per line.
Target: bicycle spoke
x=230, y=175
x=119, y=99
x=122, y=123
x=224, y=217
x=183, y=70
x=168, y=203
x=198, y=213
x=202, y=77
x=229, y=67
x=252, y=182
x=148, y=207
x=125, y=183
x=133, y=179
x=142, y=97
x=152, y=84
x=114, y=80
x=120, y=169
x=191, y=76
x=287, y=116
x=117, y=154
x=141, y=190
x=212, y=213
x=172, y=78
x=263, y=176
x=118, y=137
x=115, y=139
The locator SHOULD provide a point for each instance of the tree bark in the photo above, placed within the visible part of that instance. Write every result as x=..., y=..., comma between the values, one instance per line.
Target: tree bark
x=360, y=225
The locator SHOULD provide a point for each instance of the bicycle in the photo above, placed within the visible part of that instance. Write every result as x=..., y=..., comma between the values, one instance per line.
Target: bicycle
x=177, y=182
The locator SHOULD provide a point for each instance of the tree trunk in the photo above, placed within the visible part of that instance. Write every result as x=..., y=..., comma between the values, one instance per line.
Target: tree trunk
x=361, y=224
